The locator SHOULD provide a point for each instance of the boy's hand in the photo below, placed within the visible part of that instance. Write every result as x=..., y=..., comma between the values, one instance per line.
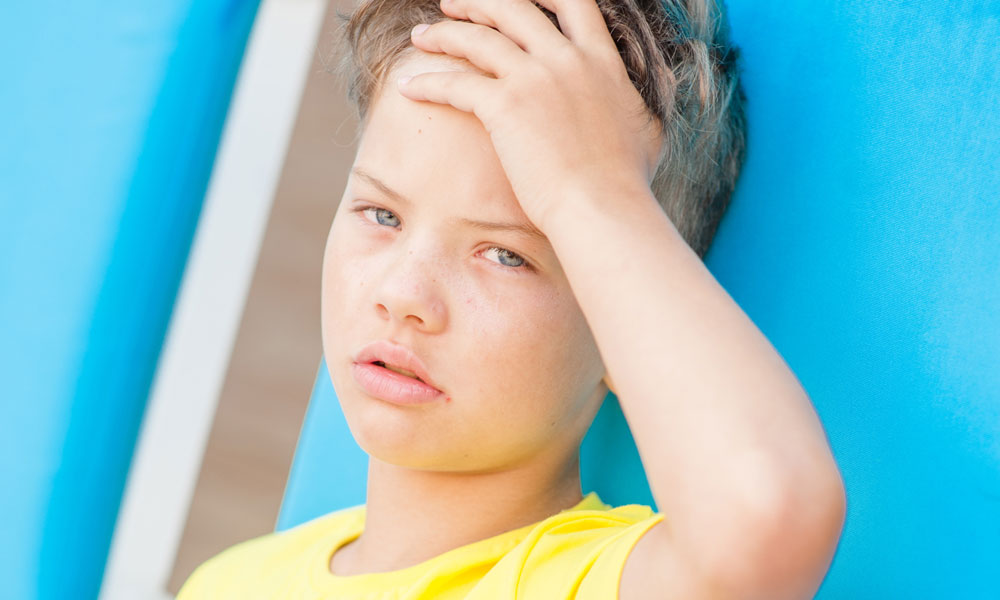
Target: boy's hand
x=560, y=109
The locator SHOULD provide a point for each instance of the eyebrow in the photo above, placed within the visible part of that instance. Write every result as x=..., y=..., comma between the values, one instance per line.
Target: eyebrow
x=525, y=229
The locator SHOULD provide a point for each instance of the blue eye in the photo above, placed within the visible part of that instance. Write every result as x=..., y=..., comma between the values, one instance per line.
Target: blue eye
x=506, y=257
x=501, y=256
x=382, y=216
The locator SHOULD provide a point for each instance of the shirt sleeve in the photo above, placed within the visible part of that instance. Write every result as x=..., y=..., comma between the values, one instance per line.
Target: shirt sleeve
x=602, y=580
x=215, y=578
x=194, y=587
x=574, y=557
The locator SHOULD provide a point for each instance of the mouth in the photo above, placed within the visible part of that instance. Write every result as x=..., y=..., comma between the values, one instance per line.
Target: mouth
x=397, y=358
x=399, y=370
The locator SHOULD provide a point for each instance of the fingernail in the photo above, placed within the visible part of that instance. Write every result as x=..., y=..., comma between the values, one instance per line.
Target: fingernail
x=402, y=80
x=420, y=28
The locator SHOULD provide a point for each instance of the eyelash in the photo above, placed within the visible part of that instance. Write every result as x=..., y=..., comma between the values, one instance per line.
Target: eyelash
x=524, y=266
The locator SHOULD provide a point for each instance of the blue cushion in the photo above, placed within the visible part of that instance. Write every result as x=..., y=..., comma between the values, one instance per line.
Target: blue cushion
x=111, y=118
x=864, y=241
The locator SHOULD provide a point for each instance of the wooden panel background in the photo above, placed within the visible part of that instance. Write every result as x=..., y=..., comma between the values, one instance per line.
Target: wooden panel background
x=278, y=346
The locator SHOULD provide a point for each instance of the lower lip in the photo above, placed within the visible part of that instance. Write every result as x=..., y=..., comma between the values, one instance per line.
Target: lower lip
x=391, y=386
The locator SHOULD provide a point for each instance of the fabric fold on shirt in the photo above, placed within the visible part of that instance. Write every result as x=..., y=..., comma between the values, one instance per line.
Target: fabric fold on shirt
x=577, y=553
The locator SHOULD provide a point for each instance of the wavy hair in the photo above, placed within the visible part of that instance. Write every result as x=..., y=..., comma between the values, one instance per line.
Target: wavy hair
x=678, y=56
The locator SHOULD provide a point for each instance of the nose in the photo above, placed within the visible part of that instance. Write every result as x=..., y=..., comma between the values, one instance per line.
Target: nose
x=409, y=292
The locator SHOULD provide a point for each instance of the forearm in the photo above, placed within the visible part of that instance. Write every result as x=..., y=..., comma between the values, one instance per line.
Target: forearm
x=725, y=431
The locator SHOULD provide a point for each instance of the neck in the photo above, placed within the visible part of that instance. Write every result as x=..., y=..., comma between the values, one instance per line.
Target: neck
x=413, y=515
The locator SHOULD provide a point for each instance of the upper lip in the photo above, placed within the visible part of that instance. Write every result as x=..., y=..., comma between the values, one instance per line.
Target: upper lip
x=397, y=355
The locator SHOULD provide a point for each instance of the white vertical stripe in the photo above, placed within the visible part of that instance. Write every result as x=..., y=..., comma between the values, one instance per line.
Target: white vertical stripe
x=211, y=299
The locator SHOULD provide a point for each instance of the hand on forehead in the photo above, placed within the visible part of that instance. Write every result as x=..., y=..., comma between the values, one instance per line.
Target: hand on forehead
x=559, y=107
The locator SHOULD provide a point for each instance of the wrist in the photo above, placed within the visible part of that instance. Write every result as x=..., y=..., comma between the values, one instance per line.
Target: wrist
x=609, y=200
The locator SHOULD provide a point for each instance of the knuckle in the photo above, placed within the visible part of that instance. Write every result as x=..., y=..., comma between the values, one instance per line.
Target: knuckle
x=539, y=76
x=570, y=58
x=443, y=82
x=513, y=97
x=481, y=33
x=507, y=4
x=440, y=28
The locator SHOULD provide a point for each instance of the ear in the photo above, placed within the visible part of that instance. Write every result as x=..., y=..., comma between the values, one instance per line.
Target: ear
x=607, y=381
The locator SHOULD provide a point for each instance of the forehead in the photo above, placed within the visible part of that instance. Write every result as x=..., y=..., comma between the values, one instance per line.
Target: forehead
x=414, y=145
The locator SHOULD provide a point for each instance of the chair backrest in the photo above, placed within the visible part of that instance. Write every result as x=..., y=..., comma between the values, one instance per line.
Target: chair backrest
x=864, y=241
x=110, y=116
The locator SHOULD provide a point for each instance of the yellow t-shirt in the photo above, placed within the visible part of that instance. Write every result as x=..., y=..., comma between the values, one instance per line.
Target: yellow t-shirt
x=577, y=553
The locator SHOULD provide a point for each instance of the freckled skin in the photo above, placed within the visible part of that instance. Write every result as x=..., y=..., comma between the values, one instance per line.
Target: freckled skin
x=510, y=348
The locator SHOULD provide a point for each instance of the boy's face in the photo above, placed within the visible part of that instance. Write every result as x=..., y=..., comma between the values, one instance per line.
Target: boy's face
x=507, y=344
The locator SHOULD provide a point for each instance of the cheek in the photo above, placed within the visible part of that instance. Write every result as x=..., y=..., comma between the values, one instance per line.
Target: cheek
x=533, y=347
x=346, y=265
x=344, y=281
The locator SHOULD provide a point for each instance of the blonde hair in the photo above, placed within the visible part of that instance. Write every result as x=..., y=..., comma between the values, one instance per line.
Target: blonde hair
x=678, y=57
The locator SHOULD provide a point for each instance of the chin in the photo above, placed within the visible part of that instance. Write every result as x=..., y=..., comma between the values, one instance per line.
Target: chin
x=394, y=437
x=394, y=434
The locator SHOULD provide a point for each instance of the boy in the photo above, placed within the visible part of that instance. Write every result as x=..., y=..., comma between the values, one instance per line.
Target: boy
x=522, y=231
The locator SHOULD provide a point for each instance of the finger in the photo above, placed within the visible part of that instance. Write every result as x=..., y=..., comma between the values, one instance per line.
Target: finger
x=582, y=22
x=519, y=20
x=483, y=46
x=469, y=92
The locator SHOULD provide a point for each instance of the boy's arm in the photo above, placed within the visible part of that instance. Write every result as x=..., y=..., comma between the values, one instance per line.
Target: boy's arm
x=736, y=457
